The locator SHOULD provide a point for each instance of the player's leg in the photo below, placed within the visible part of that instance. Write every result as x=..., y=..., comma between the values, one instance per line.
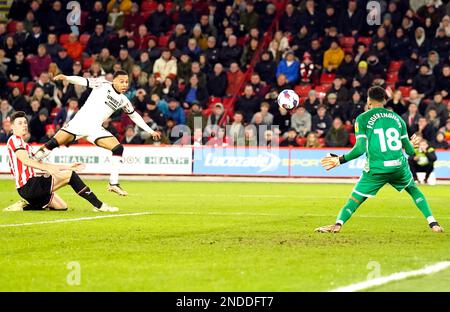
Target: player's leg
x=62, y=137
x=112, y=144
x=57, y=203
x=71, y=178
x=367, y=186
x=403, y=180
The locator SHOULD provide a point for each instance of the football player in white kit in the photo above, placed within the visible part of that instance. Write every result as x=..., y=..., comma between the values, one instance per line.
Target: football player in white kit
x=104, y=100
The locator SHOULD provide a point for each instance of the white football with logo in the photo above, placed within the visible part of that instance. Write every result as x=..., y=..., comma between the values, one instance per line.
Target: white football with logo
x=288, y=99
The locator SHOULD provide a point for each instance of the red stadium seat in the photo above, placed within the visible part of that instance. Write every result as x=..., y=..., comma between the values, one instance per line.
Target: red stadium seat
x=366, y=40
x=303, y=90
x=352, y=138
x=29, y=87
x=214, y=100
x=405, y=90
x=87, y=62
x=54, y=112
x=163, y=41
x=392, y=78
x=145, y=15
x=228, y=102
x=11, y=27
x=63, y=39
x=347, y=42
x=169, y=6
x=301, y=141
x=394, y=66
x=322, y=88
x=327, y=78
x=84, y=38
x=19, y=85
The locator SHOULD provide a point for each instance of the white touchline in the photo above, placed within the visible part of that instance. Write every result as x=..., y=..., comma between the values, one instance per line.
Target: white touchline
x=429, y=269
x=76, y=219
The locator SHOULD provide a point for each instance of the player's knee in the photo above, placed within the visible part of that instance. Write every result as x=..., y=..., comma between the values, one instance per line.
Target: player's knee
x=118, y=150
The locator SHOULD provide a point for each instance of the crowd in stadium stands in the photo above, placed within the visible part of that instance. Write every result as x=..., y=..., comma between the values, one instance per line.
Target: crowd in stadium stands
x=188, y=63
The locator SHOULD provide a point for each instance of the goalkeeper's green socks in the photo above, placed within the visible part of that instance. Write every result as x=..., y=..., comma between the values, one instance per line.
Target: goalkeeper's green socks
x=421, y=203
x=350, y=207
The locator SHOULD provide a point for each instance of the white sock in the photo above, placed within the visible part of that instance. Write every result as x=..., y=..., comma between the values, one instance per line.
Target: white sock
x=115, y=168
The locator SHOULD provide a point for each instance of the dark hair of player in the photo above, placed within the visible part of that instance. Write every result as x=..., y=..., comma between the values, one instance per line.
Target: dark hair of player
x=18, y=114
x=377, y=94
x=120, y=73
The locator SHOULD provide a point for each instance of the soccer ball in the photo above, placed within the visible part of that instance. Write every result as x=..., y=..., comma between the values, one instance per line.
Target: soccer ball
x=288, y=99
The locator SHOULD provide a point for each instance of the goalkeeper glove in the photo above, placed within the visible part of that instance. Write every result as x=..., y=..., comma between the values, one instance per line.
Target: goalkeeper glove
x=331, y=161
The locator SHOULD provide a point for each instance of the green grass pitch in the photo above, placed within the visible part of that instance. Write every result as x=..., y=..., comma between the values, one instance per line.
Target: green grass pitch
x=222, y=237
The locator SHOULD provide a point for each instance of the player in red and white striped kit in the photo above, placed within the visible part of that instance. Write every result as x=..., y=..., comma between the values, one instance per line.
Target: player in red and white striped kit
x=39, y=190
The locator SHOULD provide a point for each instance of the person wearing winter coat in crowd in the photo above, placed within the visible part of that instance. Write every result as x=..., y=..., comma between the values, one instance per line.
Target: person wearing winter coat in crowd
x=289, y=66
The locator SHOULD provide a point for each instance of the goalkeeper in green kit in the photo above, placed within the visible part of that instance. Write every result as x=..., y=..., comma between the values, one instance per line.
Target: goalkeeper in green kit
x=381, y=135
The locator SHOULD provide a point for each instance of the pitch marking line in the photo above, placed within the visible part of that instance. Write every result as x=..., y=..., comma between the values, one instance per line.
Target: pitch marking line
x=77, y=219
x=427, y=270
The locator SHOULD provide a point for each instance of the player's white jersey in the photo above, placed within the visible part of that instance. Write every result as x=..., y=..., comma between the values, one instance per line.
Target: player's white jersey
x=103, y=101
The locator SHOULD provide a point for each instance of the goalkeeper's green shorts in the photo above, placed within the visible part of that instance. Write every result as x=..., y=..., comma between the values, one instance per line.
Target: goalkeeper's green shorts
x=370, y=183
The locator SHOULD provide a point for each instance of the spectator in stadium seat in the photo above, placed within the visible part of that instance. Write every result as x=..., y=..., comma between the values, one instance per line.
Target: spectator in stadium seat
x=282, y=119
x=5, y=131
x=411, y=118
x=339, y=90
x=400, y=45
x=134, y=19
x=306, y=69
x=115, y=20
x=39, y=63
x=117, y=42
x=236, y=129
x=301, y=121
x=217, y=119
x=19, y=69
x=329, y=19
x=289, y=67
x=230, y=53
x=37, y=125
x=424, y=82
x=173, y=111
x=351, y=20
x=347, y=70
x=97, y=41
x=289, y=21
x=267, y=117
x=206, y=28
x=184, y=68
x=248, y=18
x=433, y=119
x=187, y=16
x=266, y=68
x=260, y=87
x=300, y=42
x=321, y=122
x=356, y=107
x=168, y=89
x=97, y=15
x=195, y=117
x=106, y=60
x=133, y=52
x=234, y=79
x=138, y=78
x=217, y=82
x=123, y=5
x=425, y=130
x=230, y=18
x=18, y=101
x=155, y=114
x=312, y=102
x=420, y=42
x=56, y=19
x=396, y=103
x=382, y=53
x=192, y=50
x=439, y=142
x=6, y=110
x=443, y=81
x=250, y=50
x=423, y=160
x=375, y=67
x=74, y=47
x=9, y=49
x=52, y=46
x=248, y=103
x=193, y=92
x=291, y=139
x=197, y=138
x=409, y=69
x=333, y=57
x=21, y=36
x=337, y=136
x=131, y=136
x=35, y=39
x=212, y=52
x=312, y=140
x=439, y=106
x=66, y=113
x=360, y=52
x=331, y=36
x=180, y=36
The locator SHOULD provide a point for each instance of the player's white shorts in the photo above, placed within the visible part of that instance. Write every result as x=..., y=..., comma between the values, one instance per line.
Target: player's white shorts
x=83, y=130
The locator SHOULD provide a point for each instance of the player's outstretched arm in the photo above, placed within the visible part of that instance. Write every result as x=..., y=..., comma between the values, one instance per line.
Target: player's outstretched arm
x=22, y=155
x=333, y=160
x=72, y=79
x=137, y=119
